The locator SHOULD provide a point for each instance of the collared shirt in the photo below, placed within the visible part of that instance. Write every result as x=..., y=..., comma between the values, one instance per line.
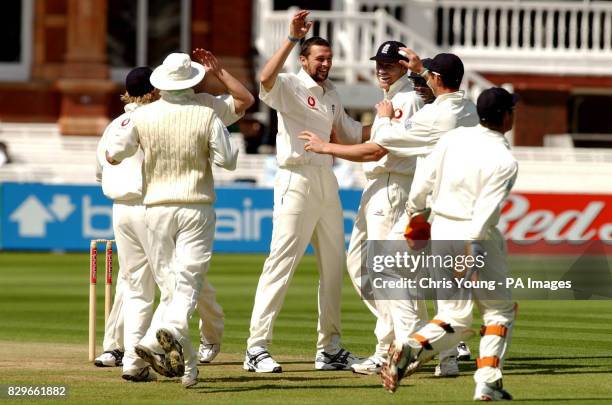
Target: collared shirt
x=405, y=103
x=122, y=182
x=302, y=104
x=470, y=173
x=424, y=128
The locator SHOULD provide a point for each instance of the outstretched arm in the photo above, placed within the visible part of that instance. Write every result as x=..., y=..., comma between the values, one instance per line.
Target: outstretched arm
x=297, y=30
x=243, y=99
x=363, y=152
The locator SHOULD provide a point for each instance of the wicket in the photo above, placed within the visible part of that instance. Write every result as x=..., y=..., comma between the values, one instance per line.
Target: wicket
x=93, y=276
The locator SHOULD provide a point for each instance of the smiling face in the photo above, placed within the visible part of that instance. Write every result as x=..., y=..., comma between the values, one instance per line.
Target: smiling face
x=318, y=62
x=388, y=73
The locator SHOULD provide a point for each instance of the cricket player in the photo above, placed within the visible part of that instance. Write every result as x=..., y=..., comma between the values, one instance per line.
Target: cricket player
x=123, y=184
x=306, y=203
x=178, y=196
x=230, y=108
x=407, y=141
x=469, y=173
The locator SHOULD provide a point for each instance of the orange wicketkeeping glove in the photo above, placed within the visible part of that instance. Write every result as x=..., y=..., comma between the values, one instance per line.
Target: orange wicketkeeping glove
x=418, y=232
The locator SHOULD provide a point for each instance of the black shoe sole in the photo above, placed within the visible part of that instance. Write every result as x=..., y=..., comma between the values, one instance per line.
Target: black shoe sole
x=173, y=350
x=147, y=356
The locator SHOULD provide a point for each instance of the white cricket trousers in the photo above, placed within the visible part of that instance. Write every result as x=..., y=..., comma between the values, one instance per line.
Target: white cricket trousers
x=383, y=203
x=135, y=301
x=306, y=210
x=180, y=246
x=498, y=315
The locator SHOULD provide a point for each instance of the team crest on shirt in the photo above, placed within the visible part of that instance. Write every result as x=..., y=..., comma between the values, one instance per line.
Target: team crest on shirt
x=398, y=113
x=311, y=101
x=125, y=122
x=408, y=124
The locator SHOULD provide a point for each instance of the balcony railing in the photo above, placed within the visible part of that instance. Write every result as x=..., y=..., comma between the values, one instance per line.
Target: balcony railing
x=355, y=37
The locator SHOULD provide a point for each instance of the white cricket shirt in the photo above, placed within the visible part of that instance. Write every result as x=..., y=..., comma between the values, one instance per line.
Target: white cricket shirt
x=302, y=104
x=424, y=128
x=470, y=173
x=405, y=103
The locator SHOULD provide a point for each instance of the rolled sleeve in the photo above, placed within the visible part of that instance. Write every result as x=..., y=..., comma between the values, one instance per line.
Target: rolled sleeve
x=222, y=152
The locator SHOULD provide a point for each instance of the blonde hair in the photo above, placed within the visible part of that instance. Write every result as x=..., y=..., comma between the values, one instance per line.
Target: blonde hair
x=144, y=99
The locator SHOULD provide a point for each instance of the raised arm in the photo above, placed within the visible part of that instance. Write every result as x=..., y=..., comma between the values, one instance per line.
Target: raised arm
x=243, y=99
x=297, y=30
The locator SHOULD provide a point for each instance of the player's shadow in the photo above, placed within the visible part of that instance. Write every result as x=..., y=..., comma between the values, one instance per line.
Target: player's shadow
x=202, y=388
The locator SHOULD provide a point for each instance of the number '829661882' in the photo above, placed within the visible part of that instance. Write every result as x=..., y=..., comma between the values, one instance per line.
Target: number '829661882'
x=11, y=391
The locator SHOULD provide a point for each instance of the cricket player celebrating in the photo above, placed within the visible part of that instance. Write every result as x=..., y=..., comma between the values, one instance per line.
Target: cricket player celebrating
x=306, y=203
x=384, y=198
x=406, y=142
x=179, y=194
x=469, y=173
x=127, y=178
x=123, y=184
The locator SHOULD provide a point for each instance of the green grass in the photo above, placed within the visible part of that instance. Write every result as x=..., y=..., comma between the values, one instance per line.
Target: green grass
x=561, y=350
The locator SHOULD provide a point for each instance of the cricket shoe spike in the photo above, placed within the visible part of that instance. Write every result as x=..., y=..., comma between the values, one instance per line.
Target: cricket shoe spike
x=111, y=358
x=208, y=352
x=341, y=360
x=491, y=392
x=259, y=360
x=173, y=352
x=156, y=360
x=139, y=375
x=402, y=362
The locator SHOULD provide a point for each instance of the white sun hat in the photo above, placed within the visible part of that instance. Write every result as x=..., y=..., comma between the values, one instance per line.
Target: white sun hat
x=177, y=72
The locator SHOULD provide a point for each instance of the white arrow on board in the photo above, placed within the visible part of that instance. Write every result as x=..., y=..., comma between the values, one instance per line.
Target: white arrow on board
x=32, y=217
x=62, y=207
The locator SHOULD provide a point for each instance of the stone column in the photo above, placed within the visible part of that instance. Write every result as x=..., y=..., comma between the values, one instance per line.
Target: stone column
x=85, y=86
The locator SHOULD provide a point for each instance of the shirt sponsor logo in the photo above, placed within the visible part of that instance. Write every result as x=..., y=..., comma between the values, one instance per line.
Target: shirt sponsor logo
x=397, y=114
x=125, y=122
x=311, y=101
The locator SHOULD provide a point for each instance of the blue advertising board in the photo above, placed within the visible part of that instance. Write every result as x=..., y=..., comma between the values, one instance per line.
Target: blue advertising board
x=61, y=217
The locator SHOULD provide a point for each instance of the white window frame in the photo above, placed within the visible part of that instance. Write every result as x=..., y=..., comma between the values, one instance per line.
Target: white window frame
x=21, y=71
x=142, y=25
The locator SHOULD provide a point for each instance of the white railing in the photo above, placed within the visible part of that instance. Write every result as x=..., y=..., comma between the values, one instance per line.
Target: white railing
x=528, y=36
x=355, y=37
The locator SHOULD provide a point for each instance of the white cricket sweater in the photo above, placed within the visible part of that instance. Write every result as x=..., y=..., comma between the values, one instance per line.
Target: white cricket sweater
x=178, y=136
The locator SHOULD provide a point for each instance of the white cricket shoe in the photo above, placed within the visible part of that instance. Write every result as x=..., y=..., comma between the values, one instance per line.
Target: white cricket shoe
x=371, y=365
x=259, y=360
x=139, y=375
x=491, y=392
x=340, y=360
x=448, y=367
x=190, y=378
x=112, y=358
x=208, y=352
x=463, y=352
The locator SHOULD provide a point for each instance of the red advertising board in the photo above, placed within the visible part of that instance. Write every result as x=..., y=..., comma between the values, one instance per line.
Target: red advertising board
x=557, y=223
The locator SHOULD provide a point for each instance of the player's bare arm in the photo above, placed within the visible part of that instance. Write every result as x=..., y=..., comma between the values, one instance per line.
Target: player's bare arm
x=363, y=152
x=415, y=64
x=243, y=99
x=298, y=29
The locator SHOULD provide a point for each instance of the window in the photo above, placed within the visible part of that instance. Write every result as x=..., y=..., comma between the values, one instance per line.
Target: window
x=16, y=44
x=144, y=32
